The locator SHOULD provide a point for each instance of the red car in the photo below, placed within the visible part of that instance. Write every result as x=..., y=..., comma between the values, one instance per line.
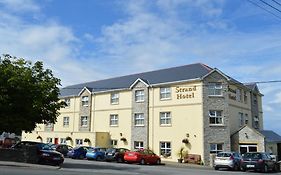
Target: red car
x=142, y=156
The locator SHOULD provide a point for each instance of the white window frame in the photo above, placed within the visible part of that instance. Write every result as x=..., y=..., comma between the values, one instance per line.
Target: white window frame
x=113, y=120
x=139, y=119
x=138, y=145
x=63, y=140
x=84, y=121
x=241, y=118
x=215, y=89
x=214, y=148
x=139, y=95
x=165, y=149
x=65, y=121
x=79, y=142
x=114, y=98
x=216, y=116
x=165, y=119
x=67, y=102
x=165, y=93
x=85, y=100
x=256, y=122
x=49, y=140
x=114, y=142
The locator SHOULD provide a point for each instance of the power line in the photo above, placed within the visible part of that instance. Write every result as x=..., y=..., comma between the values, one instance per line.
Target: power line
x=276, y=2
x=271, y=6
x=264, y=9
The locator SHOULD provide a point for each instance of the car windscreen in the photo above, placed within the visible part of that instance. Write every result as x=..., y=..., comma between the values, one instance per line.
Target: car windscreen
x=252, y=155
x=44, y=147
x=223, y=154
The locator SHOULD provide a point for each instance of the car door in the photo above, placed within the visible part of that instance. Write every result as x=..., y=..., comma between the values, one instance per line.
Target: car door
x=152, y=157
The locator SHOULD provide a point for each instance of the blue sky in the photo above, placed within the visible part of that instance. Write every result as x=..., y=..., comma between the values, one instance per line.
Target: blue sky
x=95, y=39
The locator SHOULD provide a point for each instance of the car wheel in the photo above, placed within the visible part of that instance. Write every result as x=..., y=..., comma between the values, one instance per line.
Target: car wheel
x=119, y=160
x=81, y=156
x=216, y=168
x=243, y=169
x=98, y=158
x=235, y=167
x=158, y=162
x=265, y=169
x=142, y=162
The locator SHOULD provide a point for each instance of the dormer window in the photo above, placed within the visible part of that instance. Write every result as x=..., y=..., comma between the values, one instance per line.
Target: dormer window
x=85, y=101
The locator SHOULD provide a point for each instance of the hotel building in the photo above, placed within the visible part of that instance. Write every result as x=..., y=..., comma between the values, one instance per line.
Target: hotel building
x=193, y=106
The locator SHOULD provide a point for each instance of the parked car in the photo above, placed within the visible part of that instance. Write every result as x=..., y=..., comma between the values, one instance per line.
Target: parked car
x=62, y=148
x=115, y=154
x=142, y=156
x=230, y=160
x=46, y=155
x=78, y=152
x=96, y=154
x=258, y=161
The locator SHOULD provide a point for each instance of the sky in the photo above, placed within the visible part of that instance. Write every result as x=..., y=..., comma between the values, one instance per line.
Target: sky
x=90, y=40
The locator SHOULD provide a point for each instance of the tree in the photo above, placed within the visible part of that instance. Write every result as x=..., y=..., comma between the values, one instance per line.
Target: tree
x=29, y=95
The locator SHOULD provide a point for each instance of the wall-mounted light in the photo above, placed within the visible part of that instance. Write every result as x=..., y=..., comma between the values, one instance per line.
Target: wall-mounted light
x=246, y=135
x=121, y=134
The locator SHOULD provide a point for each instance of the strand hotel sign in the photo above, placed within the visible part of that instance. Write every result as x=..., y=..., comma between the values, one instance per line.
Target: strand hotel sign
x=185, y=92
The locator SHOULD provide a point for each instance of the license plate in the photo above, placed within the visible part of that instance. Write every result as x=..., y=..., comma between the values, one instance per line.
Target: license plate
x=250, y=166
x=56, y=158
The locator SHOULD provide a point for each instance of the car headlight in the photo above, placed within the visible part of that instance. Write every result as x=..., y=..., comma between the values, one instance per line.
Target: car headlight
x=45, y=154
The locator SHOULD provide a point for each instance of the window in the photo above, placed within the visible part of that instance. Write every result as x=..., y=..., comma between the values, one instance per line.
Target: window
x=215, y=117
x=79, y=141
x=49, y=140
x=245, y=97
x=113, y=120
x=84, y=121
x=238, y=95
x=255, y=99
x=165, y=149
x=63, y=140
x=65, y=121
x=138, y=145
x=241, y=118
x=165, y=93
x=256, y=122
x=85, y=101
x=67, y=102
x=139, y=95
x=113, y=142
x=216, y=147
x=165, y=118
x=114, y=99
x=139, y=119
x=246, y=119
x=215, y=89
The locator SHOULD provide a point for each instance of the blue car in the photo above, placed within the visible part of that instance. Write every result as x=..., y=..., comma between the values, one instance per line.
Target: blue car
x=96, y=154
x=78, y=152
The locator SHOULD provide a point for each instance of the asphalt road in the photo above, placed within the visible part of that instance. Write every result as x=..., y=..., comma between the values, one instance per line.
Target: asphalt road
x=85, y=167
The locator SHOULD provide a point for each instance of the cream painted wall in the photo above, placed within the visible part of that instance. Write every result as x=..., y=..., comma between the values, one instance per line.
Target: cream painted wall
x=102, y=101
x=187, y=118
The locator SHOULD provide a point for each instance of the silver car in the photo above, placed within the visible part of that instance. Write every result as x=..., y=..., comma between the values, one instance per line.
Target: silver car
x=230, y=160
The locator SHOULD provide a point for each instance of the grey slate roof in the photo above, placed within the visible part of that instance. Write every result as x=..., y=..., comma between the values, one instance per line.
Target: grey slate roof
x=271, y=136
x=186, y=72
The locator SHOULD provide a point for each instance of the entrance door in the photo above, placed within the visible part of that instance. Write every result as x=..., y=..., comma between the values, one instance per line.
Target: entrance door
x=56, y=141
x=247, y=148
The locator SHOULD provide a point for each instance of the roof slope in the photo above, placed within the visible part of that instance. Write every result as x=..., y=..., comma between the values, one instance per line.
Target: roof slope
x=174, y=74
x=271, y=136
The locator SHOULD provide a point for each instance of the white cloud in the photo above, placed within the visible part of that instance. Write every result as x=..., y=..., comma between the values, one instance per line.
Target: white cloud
x=20, y=6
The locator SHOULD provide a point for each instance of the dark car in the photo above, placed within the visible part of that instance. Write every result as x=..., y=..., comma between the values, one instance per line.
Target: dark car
x=46, y=155
x=62, y=148
x=258, y=161
x=115, y=154
x=230, y=160
x=78, y=152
